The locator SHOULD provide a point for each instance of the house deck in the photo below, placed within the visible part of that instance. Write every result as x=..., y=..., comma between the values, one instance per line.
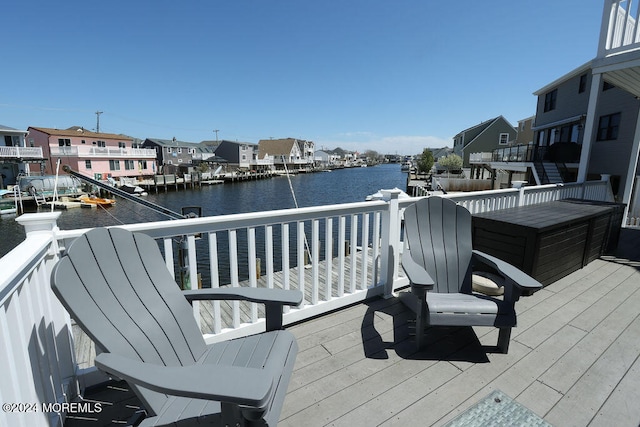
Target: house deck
x=574, y=359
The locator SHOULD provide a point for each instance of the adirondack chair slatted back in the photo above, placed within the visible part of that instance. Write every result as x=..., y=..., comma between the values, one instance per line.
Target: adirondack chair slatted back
x=438, y=232
x=119, y=286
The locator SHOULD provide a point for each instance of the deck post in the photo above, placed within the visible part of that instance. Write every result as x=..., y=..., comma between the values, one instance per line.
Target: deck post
x=390, y=251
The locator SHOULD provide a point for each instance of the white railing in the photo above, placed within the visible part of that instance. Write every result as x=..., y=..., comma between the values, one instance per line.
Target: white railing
x=619, y=30
x=21, y=152
x=117, y=152
x=482, y=157
x=336, y=255
x=37, y=353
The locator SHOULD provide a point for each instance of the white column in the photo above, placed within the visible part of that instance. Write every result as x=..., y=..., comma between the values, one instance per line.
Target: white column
x=587, y=138
x=631, y=170
x=390, y=252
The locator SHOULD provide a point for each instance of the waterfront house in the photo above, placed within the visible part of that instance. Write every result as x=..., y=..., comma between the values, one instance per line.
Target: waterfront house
x=243, y=155
x=326, y=159
x=98, y=155
x=172, y=154
x=486, y=136
x=292, y=152
x=525, y=132
x=15, y=157
x=587, y=121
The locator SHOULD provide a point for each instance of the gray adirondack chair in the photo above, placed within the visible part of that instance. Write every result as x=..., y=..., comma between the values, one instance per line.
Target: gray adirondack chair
x=438, y=259
x=116, y=285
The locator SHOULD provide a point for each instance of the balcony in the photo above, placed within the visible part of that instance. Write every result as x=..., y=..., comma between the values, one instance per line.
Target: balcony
x=21, y=152
x=365, y=243
x=618, y=58
x=110, y=152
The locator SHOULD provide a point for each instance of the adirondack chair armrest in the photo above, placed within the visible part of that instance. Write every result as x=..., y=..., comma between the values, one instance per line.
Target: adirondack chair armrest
x=273, y=299
x=527, y=284
x=416, y=272
x=231, y=384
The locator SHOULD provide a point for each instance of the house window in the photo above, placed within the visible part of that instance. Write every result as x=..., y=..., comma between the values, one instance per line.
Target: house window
x=142, y=164
x=62, y=142
x=114, y=165
x=550, y=100
x=504, y=139
x=83, y=142
x=129, y=165
x=169, y=162
x=87, y=164
x=583, y=83
x=179, y=160
x=608, y=127
x=179, y=150
x=168, y=149
x=100, y=143
x=122, y=145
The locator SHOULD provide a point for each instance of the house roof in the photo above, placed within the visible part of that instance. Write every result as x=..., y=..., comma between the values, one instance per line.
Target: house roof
x=8, y=129
x=478, y=128
x=80, y=131
x=475, y=131
x=177, y=143
x=276, y=147
x=571, y=74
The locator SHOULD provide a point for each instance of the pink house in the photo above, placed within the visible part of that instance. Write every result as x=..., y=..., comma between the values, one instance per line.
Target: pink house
x=98, y=155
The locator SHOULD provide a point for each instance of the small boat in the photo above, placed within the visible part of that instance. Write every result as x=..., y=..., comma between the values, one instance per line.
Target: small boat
x=98, y=201
x=133, y=189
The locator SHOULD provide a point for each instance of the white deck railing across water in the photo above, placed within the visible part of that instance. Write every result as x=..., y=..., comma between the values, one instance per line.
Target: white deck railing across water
x=363, y=241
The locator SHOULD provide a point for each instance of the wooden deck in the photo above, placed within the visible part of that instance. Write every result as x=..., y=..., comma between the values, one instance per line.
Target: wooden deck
x=574, y=359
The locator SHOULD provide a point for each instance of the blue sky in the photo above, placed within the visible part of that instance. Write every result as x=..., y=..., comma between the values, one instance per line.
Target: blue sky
x=391, y=76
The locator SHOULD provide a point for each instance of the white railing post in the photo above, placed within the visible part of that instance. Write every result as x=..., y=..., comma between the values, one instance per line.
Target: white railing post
x=390, y=253
x=44, y=222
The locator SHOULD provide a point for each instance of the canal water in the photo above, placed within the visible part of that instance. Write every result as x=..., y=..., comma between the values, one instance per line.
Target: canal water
x=315, y=189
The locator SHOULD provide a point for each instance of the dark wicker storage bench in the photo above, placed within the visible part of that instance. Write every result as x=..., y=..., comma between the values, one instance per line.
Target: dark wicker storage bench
x=547, y=241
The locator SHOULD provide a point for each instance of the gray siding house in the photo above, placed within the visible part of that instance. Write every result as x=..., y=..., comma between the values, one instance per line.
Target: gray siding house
x=172, y=154
x=561, y=121
x=484, y=137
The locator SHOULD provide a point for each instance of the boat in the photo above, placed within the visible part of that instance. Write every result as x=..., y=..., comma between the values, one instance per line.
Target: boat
x=133, y=189
x=98, y=201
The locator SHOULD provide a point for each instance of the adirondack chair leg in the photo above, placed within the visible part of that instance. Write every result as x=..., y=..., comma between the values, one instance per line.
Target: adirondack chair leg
x=421, y=314
x=503, y=340
x=231, y=415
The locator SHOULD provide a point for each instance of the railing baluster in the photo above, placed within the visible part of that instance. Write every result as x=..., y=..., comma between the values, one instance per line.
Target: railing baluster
x=354, y=248
x=328, y=256
x=341, y=253
x=365, y=249
x=269, y=254
x=315, y=260
x=376, y=246
x=301, y=256
x=286, y=279
x=168, y=256
x=233, y=265
x=215, y=280
x=253, y=274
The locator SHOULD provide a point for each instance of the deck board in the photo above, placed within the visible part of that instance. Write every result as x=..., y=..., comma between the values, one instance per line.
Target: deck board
x=574, y=359
x=575, y=342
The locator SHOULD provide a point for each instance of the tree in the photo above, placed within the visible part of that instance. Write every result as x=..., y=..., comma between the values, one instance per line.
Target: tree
x=452, y=162
x=425, y=161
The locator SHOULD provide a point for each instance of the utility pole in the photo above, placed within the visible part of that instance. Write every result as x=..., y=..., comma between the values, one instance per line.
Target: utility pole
x=216, y=131
x=98, y=121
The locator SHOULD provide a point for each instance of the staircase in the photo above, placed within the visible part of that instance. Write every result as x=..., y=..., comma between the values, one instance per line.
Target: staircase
x=548, y=173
